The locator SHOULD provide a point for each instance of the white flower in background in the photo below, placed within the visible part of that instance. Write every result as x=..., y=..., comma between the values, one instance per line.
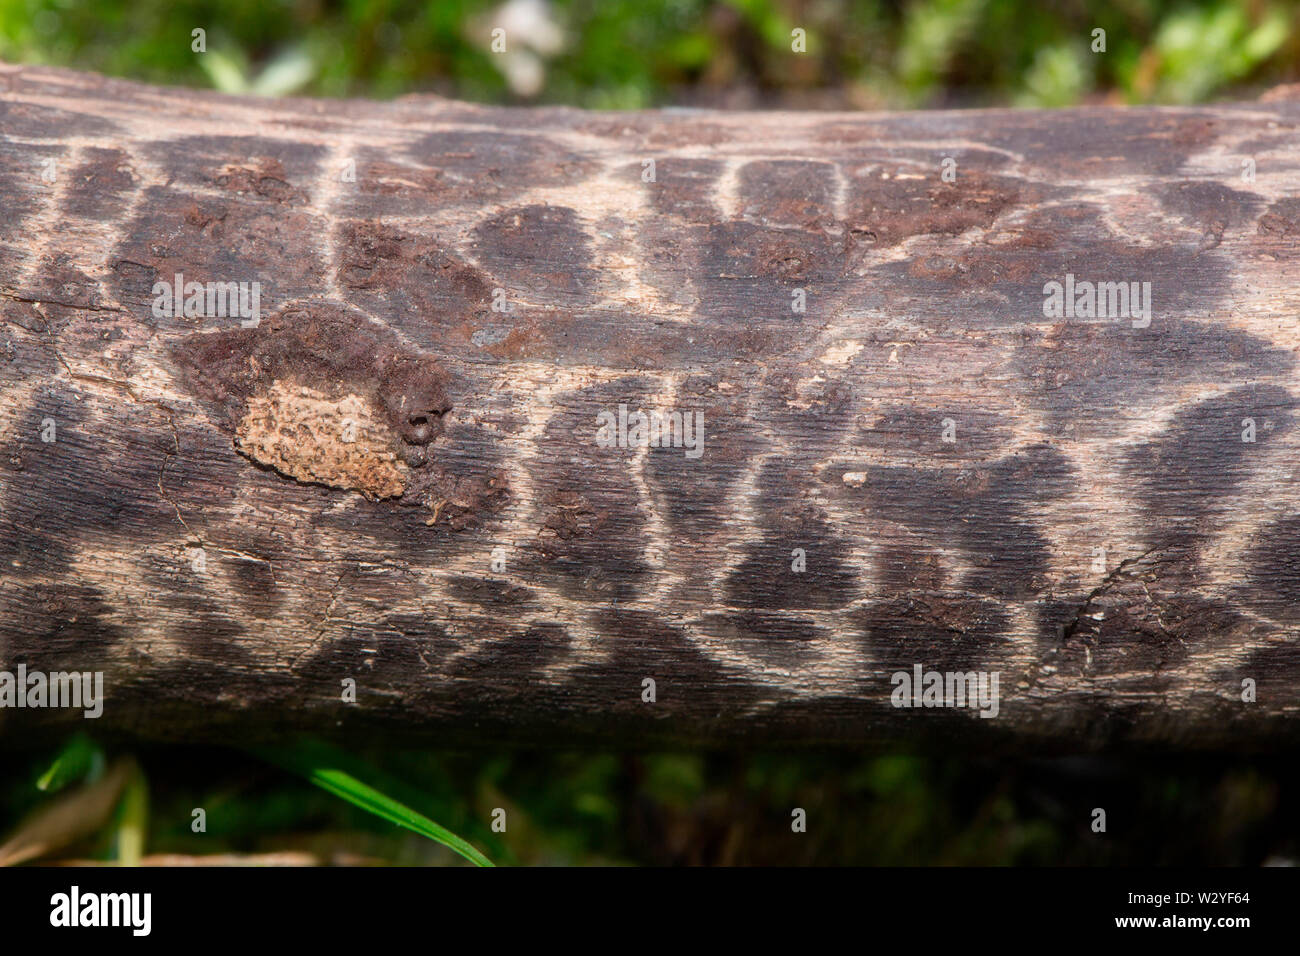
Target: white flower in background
x=531, y=36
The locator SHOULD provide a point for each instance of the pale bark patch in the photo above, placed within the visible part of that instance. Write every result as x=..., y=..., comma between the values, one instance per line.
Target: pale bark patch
x=310, y=437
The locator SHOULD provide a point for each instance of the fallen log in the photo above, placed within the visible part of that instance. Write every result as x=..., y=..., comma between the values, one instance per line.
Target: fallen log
x=536, y=426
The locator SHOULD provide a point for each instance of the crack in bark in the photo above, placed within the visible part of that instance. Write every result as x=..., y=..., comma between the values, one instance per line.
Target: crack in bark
x=323, y=623
x=170, y=413
x=64, y=305
x=1069, y=630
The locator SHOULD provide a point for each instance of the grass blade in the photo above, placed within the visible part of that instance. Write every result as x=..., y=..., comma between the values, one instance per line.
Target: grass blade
x=314, y=763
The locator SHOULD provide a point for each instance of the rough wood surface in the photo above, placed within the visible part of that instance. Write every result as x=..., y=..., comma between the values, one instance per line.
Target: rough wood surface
x=230, y=521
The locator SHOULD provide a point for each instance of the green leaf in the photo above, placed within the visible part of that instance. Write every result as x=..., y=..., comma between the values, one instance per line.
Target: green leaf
x=318, y=764
x=79, y=758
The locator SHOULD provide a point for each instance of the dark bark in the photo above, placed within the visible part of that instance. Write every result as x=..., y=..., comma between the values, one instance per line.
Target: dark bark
x=391, y=481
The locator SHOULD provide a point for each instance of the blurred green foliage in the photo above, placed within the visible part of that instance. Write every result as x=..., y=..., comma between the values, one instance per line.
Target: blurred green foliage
x=717, y=809
x=634, y=53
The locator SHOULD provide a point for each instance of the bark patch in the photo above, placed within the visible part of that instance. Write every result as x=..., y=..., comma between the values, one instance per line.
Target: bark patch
x=307, y=436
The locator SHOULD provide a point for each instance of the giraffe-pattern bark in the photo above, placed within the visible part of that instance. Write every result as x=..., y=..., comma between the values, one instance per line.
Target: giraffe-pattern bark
x=485, y=570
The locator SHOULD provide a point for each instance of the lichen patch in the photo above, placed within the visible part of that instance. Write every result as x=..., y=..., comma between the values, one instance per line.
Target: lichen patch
x=308, y=436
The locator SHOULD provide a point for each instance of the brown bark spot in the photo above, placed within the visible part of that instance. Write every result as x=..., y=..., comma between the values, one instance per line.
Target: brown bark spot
x=266, y=178
x=99, y=187
x=893, y=208
x=399, y=272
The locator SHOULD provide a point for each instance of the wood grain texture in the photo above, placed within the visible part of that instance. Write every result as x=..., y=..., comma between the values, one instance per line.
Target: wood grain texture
x=231, y=521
